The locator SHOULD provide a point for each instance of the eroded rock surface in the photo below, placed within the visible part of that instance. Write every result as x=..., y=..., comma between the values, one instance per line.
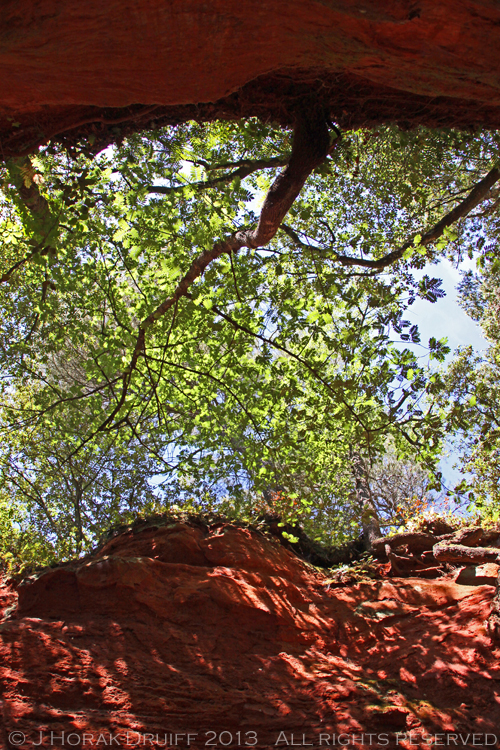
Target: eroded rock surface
x=105, y=68
x=184, y=629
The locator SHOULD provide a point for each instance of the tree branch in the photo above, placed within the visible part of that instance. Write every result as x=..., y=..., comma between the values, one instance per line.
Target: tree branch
x=38, y=216
x=478, y=193
x=311, y=145
x=247, y=168
x=297, y=357
x=7, y=275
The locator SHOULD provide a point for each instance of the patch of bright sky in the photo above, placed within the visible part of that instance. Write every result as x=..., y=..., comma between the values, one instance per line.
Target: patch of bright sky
x=445, y=318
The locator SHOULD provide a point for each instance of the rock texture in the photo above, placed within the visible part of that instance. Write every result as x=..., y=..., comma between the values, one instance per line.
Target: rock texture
x=427, y=553
x=67, y=65
x=189, y=629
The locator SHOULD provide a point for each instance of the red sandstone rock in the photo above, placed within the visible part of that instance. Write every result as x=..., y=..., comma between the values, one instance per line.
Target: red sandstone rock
x=180, y=629
x=114, y=54
x=67, y=63
x=477, y=575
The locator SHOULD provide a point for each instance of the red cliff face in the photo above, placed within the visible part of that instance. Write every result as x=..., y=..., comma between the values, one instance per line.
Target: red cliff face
x=67, y=64
x=183, y=629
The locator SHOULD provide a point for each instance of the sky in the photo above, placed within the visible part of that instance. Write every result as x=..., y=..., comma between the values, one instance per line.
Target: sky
x=446, y=318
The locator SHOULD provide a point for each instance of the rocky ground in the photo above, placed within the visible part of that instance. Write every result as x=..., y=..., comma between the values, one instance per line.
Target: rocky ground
x=215, y=635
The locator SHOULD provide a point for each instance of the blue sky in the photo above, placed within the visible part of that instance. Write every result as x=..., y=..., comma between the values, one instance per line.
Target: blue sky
x=446, y=318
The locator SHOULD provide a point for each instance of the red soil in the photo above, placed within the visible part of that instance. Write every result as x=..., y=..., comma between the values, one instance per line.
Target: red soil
x=179, y=629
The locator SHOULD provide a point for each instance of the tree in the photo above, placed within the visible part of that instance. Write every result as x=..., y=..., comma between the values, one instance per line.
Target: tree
x=55, y=504
x=88, y=284
x=140, y=289
x=398, y=487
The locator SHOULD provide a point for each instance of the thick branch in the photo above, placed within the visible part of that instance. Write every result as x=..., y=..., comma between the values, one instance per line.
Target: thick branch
x=310, y=147
x=35, y=209
x=23, y=175
x=311, y=144
x=478, y=193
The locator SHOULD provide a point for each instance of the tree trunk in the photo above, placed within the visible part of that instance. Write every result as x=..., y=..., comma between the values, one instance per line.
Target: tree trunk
x=103, y=69
x=369, y=516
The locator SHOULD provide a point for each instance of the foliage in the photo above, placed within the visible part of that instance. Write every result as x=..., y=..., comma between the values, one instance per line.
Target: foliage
x=268, y=365
x=472, y=393
x=55, y=504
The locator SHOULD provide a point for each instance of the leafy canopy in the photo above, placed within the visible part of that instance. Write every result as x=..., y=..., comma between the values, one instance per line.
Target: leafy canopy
x=140, y=311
